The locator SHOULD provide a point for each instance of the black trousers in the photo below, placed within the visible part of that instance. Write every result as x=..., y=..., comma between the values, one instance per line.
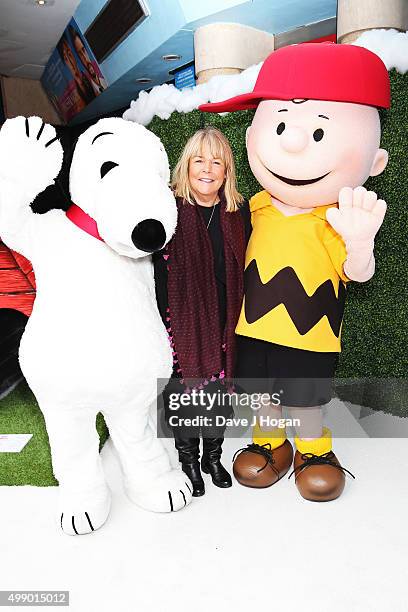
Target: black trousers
x=197, y=413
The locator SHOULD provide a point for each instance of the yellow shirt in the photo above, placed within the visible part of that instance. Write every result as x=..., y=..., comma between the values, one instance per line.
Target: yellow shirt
x=294, y=279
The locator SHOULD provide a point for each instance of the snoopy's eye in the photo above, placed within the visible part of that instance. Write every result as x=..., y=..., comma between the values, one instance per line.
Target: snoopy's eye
x=280, y=128
x=107, y=167
x=318, y=134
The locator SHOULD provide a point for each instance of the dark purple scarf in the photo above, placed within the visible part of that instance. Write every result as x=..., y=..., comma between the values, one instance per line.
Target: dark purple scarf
x=201, y=348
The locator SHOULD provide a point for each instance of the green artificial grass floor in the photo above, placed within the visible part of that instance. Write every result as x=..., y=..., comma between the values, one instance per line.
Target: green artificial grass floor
x=19, y=413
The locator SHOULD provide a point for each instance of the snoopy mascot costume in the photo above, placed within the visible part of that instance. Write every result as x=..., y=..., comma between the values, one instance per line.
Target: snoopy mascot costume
x=95, y=341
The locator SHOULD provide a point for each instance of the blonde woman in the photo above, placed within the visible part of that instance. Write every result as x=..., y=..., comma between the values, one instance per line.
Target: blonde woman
x=201, y=273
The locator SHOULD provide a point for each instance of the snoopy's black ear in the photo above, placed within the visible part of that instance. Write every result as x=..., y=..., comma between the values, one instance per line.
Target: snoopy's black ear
x=69, y=153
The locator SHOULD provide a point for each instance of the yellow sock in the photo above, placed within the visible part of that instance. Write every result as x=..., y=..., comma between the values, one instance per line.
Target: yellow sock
x=275, y=438
x=318, y=446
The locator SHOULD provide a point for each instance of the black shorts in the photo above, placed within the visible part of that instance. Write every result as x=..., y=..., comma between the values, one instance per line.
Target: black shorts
x=302, y=378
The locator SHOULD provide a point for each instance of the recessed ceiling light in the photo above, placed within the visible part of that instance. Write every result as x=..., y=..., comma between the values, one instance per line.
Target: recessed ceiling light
x=144, y=80
x=41, y=2
x=171, y=57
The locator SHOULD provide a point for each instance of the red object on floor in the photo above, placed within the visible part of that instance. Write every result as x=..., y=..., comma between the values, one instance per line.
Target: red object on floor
x=17, y=281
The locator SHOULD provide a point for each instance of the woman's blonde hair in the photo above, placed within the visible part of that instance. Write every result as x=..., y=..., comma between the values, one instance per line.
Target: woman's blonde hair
x=219, y=147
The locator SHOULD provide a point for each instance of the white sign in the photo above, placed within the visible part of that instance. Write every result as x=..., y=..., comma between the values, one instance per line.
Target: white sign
x=13, y=443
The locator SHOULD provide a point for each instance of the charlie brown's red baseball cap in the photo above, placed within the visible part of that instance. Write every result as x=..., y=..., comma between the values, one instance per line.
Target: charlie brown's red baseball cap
x=316, y=71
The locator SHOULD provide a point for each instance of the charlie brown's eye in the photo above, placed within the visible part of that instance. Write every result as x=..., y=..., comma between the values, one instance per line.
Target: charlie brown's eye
x=280, y=128
x=318, y=134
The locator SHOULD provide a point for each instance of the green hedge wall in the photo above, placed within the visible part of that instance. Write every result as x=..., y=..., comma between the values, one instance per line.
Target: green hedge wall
x=375, y=330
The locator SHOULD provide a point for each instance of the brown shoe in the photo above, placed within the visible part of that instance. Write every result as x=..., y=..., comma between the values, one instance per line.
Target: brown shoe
x=259, y=466
x=319, y=477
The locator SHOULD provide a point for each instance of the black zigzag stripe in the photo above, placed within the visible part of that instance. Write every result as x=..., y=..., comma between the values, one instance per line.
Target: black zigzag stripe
x=286, y=288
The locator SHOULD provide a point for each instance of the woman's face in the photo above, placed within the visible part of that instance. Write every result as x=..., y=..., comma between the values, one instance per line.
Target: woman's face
x=206, y=174
x=70, y=60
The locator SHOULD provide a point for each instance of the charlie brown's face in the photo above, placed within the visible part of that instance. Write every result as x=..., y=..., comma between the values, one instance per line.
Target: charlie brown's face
x=304, y=151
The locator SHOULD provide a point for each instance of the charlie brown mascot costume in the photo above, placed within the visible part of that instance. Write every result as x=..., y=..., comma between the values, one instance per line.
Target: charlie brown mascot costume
x=313, y=142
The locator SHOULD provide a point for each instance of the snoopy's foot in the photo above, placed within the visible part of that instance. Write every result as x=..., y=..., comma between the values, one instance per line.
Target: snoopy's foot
x=169, y=492
x=78, y=516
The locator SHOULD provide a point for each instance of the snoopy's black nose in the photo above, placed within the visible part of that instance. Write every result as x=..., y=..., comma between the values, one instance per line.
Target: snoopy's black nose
x=149, y=235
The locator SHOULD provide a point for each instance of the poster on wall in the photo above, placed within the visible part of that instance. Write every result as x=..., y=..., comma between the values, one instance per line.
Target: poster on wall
x=72, y=77
x=2, y=116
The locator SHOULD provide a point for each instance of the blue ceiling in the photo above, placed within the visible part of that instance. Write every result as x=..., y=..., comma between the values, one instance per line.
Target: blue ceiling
x=170, y=29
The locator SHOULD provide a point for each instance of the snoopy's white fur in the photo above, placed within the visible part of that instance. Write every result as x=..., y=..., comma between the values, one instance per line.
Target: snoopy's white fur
x=95, y=340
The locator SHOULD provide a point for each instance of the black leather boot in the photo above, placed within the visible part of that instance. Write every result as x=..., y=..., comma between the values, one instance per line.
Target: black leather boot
x=189, y=454
x=211, y=464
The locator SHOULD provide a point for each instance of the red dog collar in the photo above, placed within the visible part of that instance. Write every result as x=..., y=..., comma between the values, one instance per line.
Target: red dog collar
x=82, y=220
